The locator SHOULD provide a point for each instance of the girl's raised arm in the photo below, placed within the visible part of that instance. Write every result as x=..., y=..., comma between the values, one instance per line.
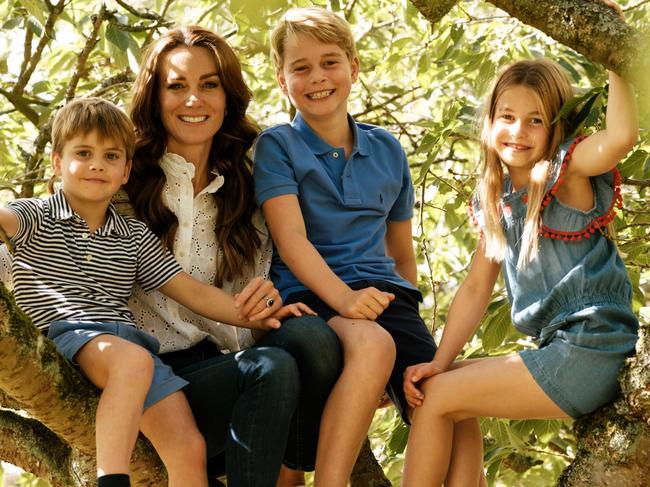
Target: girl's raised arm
x=603, y=150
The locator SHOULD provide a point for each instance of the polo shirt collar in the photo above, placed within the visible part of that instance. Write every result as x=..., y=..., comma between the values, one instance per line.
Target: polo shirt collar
x=319, y=146
x=61, y=210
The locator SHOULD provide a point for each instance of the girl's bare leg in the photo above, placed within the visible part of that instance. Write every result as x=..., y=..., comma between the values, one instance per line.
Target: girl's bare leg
x=495, y=387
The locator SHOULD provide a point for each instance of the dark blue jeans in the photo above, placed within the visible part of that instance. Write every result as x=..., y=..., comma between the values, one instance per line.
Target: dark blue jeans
x=262, y=406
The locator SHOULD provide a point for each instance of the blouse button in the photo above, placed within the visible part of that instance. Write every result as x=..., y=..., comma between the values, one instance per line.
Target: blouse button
x=89, y=257
x=335, y=155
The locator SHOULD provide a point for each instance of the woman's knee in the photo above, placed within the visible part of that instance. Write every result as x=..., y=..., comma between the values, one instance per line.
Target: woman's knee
x=272, y=368
x=314, y=346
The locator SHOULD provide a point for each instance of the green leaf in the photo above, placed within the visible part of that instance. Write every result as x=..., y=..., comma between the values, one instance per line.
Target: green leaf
x=496, y=328
x=35, y=8
x=634, y=164
x=398, y=438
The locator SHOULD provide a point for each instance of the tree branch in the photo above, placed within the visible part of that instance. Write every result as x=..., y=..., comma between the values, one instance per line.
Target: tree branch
x=55, y=393
x=32, y=447
x=590, y=27
x=644, y=183
x=22, y=105
x=124, y=78
x=91, y=42
x=47, y=36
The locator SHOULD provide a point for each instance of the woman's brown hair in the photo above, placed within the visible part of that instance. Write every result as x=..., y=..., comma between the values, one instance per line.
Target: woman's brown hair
x=237, y=236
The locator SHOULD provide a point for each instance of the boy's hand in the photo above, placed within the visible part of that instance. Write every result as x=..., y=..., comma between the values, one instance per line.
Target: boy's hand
x=413, y=376
x=258, y=300
x=366, y=303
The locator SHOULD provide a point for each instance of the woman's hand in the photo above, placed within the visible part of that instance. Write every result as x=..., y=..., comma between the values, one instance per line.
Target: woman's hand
x=258, y=300
x=413, y=377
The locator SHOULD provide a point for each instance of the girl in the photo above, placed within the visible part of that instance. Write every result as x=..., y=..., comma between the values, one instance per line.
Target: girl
x=545, y=221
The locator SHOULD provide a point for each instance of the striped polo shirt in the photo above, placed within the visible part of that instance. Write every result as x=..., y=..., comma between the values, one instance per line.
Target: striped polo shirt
x=61, y=271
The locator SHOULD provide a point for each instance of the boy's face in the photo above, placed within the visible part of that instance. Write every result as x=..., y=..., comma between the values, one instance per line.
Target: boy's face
x=317, y=78
x=91, y=169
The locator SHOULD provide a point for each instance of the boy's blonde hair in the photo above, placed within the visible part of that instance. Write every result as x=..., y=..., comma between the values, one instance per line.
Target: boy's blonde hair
x=552, y=89
x=84, y=115
x=318, y=23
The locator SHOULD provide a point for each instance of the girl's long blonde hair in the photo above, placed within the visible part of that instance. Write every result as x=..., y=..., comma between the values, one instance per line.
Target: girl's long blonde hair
x=552, y=88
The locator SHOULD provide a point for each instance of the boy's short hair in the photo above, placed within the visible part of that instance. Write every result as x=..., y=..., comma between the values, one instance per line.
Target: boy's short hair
x=84, y=115
x=320, y=24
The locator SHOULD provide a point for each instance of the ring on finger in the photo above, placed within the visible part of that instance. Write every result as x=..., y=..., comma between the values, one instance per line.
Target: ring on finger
x=269, y=301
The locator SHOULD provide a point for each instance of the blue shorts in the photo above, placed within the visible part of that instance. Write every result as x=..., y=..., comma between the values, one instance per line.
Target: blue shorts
x=413, y=341
x=580, y=356
x=70, y=336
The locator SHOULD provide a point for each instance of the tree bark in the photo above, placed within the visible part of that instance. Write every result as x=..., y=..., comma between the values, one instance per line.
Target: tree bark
x=34, y=377
x=592, y=28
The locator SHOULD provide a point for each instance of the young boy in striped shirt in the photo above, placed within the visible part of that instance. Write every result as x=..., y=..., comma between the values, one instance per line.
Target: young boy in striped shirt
x=75, y=263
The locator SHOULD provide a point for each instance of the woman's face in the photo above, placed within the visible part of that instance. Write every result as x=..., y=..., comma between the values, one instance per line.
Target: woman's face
x=192, y=100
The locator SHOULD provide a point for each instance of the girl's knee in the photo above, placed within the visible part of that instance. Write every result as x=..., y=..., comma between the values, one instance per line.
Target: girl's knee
x=133, y=361
x=438, y=399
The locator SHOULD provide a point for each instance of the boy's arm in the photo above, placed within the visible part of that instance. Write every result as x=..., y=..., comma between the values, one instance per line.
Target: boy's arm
x=399, y=246
x=285, y=221
x=8, y=222
x=467, y=309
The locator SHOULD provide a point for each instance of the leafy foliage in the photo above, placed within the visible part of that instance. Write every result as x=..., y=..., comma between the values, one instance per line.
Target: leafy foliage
x=424, y=83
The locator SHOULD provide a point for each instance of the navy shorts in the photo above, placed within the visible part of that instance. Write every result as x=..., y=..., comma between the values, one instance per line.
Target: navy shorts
x=413, y=341
x=70, y=336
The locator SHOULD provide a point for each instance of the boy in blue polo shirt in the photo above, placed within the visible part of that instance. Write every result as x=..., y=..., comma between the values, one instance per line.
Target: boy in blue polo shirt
x=75, y=263
x=338, y=200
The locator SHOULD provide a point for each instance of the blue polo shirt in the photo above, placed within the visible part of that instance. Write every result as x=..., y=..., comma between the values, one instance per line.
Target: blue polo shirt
x=345, y=203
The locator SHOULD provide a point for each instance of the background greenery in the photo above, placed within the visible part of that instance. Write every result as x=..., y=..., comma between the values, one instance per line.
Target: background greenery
x=425, y=83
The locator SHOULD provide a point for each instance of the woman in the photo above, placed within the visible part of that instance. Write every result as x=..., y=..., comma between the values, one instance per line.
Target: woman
x=191, y=183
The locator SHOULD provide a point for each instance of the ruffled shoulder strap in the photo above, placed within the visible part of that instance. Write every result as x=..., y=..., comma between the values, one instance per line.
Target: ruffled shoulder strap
x=607, y=196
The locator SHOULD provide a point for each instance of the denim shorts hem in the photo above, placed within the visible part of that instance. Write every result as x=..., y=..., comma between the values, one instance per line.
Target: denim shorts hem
x=538, y=372
x=70, y=336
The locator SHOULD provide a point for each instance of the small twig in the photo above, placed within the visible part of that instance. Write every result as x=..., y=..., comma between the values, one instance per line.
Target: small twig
x=143, y=14
x=348, y=9
x=425, y=251
x=636, y=5
x=636, y=182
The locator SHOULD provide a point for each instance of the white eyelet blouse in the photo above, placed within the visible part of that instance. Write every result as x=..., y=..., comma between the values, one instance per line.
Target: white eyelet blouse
x=198, y=253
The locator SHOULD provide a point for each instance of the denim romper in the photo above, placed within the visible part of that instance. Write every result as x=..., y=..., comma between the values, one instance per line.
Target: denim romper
x=575, y=297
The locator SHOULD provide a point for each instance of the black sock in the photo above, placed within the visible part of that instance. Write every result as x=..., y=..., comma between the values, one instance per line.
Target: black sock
x=114, y=480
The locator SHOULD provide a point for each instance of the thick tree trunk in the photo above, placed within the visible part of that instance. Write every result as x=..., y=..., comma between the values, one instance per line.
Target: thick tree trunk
x=37, y=380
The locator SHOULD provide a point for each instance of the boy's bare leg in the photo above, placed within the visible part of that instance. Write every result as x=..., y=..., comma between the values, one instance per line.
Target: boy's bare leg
x=475, y=390
x=290, y=478
x=123, y=370
x=368, y=358
x=170, y=426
